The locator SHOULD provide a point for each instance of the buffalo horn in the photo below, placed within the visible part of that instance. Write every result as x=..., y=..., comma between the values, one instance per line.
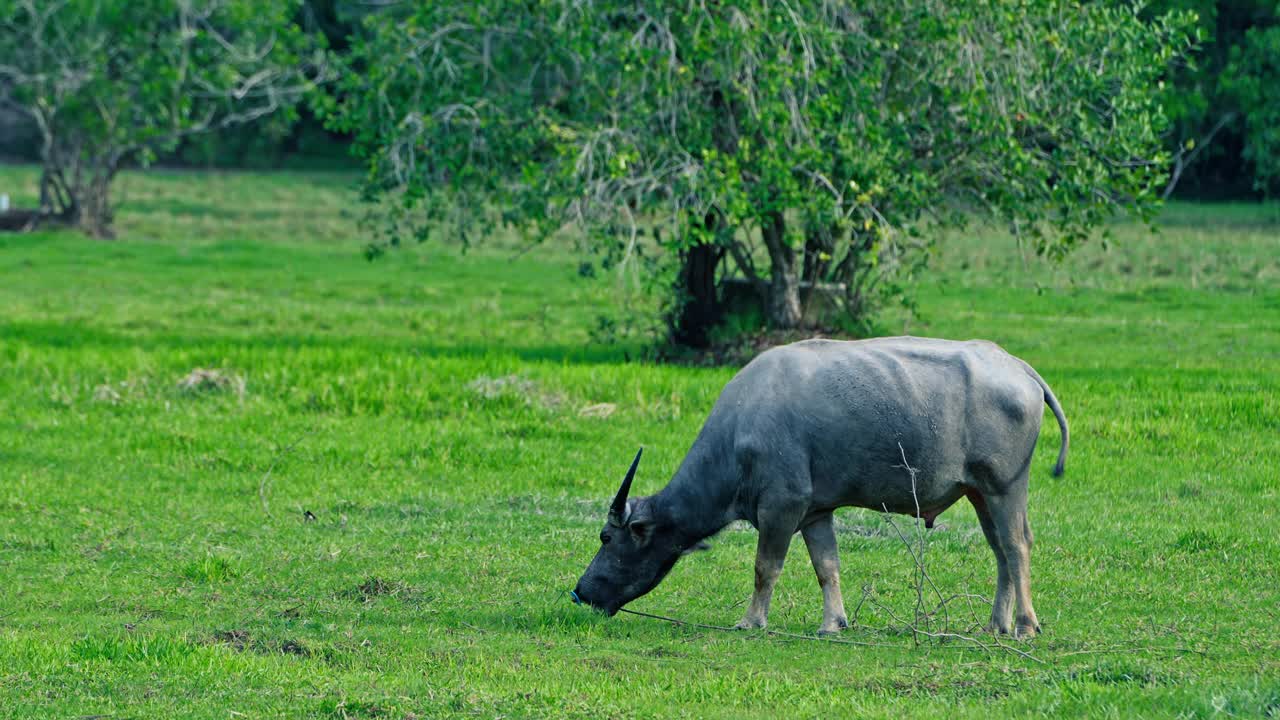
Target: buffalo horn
x=618, y=511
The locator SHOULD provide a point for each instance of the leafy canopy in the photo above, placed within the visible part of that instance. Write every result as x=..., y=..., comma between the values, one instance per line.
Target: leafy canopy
x=114, y=82
x=812, y=142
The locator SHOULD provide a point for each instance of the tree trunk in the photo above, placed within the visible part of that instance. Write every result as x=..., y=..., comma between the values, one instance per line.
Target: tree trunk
x=699, y=307
x=96, y=213
x=783, y=308
x=819, y=246
x=75, y=186
x=83, y=201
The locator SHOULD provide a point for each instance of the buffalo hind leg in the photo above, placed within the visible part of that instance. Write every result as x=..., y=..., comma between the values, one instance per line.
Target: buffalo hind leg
x=1008, y=515
x=1002, y=604
x=820, y=538
x=776, y=523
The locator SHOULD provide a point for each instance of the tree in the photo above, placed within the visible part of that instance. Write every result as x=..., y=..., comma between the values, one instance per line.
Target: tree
x=1220, y=102
x=1251, y=80
x=281, y=140
x=110, y=83
x=799, y=145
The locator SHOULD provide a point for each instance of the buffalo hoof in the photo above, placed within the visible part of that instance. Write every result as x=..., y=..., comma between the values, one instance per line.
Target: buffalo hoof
x=833, y=628
x=994, y=628
x=1022, y=631
x=1026, y=632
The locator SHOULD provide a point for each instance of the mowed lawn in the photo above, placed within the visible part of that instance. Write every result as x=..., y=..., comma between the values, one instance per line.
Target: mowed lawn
x=379, y=510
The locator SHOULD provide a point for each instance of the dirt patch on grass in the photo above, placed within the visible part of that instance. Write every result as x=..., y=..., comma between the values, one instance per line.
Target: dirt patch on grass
x=294, y=647
x=124, y=391
x=348, y=708
x=375, y=587
x=204, y=381
x=107, y=394
x=241, y=640
x=534, y=394
x=518, y=387
x=238, y=640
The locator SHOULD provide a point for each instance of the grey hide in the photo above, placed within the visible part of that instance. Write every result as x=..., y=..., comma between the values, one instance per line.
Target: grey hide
x=822, y=424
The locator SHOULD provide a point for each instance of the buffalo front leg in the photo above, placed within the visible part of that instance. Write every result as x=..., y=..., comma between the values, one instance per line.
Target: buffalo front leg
x=1013, y=533
x=820, y=537
x=776, y=527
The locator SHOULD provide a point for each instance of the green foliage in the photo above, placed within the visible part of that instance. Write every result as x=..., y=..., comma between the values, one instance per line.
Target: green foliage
x=1220, y=112
x=1251, y=80
x=824, y=139
x=447, y=524
x=113, y=83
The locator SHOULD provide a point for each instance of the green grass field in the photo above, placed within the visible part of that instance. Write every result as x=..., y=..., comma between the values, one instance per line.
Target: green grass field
x=380, y=523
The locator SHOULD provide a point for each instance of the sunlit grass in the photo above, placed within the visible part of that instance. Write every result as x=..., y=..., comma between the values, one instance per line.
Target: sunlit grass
x=385, y=521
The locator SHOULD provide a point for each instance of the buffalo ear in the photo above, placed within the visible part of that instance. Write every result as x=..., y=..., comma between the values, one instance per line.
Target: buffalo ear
x=699, y=546
x=641, y=530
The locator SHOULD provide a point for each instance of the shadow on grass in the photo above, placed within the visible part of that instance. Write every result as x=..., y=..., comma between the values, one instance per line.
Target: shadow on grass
x=72, y=335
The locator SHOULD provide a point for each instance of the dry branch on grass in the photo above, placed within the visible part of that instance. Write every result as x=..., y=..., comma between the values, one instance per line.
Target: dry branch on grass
x=597, y=410
x=280, y=454
x=925, y=622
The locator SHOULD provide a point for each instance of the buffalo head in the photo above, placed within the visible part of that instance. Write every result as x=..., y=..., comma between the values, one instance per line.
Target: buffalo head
x=638, y=547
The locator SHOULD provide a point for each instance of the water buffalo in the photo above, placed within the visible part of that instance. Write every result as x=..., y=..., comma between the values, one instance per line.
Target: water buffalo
x=816, y=425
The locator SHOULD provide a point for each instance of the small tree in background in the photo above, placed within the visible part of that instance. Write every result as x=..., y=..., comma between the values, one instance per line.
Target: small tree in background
x=1252, y=81
x=1221, y=103
x=796, y=144
x=113, y=83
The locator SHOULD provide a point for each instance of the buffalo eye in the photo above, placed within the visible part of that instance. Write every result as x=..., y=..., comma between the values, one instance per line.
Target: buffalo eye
x=604, y=538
